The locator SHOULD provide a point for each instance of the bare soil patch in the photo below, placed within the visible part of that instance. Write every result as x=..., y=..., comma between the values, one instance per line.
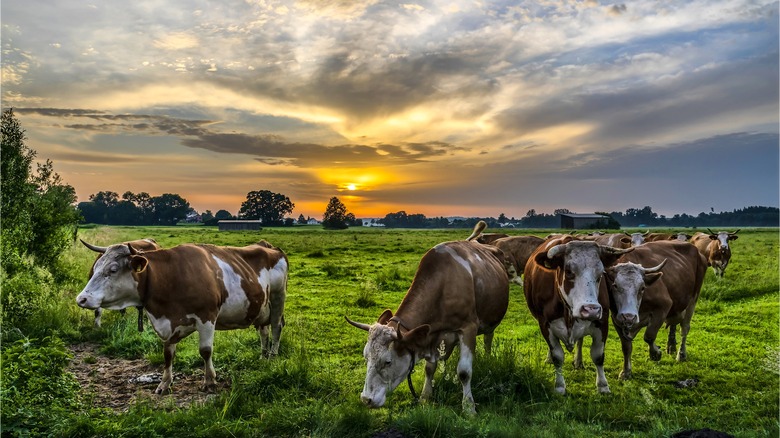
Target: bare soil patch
x=108, y=382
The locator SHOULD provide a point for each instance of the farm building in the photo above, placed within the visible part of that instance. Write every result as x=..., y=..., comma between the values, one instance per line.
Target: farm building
x=574, y=221
x=239, y=225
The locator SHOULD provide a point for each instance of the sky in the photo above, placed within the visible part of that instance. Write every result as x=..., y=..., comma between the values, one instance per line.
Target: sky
x=441, y=108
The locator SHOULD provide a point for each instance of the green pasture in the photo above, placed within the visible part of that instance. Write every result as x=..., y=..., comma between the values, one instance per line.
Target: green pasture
x=313, y=387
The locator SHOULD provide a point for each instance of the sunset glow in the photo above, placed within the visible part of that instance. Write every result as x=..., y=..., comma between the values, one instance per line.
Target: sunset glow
x=443, y=109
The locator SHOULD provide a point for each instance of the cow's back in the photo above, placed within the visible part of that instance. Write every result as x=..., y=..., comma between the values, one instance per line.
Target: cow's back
x=518, y=249
x=458, y=282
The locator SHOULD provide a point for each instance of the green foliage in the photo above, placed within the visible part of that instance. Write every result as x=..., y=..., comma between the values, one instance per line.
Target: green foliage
x=312, y=388
x=336, y=216
x=36, y=392
x=267, y=206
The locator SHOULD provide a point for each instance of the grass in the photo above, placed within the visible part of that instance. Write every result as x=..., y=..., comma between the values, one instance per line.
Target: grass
x=312, y=388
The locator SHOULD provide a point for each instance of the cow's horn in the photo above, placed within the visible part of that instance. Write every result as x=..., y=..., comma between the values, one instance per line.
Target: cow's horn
x=359, y=325
x=100, y=249
x=555, y=250
x=655, y=269
x=646, y=233
x=714, y=234
x=735, y=232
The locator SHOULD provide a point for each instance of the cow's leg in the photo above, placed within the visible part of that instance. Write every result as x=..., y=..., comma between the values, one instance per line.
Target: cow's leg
x=206, y=344
x=169, y=352
x=556, y=355
x=277, y=323
x=597, y=356
x=627, y=345
x=685, y=327
x=671, y=342
x=578, y=356
x=430, y=370
x=488, y=338
x=651, y=333
x=468, y=342
x=98, y=314
x=265, y=344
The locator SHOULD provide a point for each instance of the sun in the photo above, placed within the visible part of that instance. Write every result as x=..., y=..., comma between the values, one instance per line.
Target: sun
x=351, y=187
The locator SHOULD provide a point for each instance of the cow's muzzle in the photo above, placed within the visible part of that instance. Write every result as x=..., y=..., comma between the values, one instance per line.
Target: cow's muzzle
x=590, y=312
x=371, y=402
x=627, y=320
x=84, y=302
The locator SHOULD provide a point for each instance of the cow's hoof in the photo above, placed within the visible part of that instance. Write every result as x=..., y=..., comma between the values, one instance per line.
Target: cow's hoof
x=625, y=375
x=560, y=390
x=604, y=390
x=655, y=355
x=671, y=349
x=162, y=391
x=578, y=365
x=681, y=357
x=210, y=388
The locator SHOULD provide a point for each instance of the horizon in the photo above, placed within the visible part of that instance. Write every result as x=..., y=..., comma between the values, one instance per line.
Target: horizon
x=435, y=108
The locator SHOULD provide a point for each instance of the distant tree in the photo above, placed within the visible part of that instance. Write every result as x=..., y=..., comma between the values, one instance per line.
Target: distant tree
x=267, y=206
x=144, y=206
x=610, y=224
x=223, y=215
x=301, y=220
x=206, y=216
x=335, y=217
x=502, y=218
x=169, y=209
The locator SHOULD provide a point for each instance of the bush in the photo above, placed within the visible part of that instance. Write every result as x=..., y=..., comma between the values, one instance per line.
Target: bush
x=36, y=390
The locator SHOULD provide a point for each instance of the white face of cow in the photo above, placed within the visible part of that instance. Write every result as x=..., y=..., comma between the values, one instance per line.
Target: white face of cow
x=637, y=239
x=578, y=279
x=112, y=285
x=386, y=367
x=723, y=238
x=628, y=282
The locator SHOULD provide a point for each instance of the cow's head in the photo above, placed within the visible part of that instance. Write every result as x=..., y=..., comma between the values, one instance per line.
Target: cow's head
x=627, y=283
x=723, y=238
x=637, y=238
x=390, y=357
x=578, y=266
x=114, y=284
x=682, y=237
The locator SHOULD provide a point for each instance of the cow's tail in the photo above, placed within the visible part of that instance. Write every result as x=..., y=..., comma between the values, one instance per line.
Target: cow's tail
x=478, y=229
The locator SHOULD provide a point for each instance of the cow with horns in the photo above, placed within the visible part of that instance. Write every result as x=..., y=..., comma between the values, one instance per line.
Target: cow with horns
x=460, y=290
x=192, y=288
x=715, y=248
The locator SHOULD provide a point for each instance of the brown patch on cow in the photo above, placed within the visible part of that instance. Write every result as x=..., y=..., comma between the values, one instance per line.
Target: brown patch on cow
x=105, y=381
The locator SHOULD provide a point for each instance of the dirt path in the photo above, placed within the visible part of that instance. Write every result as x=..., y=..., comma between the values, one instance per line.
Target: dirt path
x=114, y=383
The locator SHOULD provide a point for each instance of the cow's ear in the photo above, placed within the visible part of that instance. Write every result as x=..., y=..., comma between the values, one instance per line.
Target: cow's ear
x=733, y=237
x=417, y=336
x=138, y=263
x=546, y=262
x=625, y=240
x=385, y=316
x=713, y=237
x=651, y=278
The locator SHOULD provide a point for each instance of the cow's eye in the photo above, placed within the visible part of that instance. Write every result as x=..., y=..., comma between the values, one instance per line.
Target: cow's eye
x=113, y=268
x=569, y=274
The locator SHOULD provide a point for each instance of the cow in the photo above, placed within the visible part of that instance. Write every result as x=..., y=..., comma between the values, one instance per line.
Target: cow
x=637, y=238
x=195, y=287
x=561, y=286
x=517, y=250
x=140, y=245
x=460, y=290
x=614, y=240
x=715, y=248
x=657, y=283
x=655, y=237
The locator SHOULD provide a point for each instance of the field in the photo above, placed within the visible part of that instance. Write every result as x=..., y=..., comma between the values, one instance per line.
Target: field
x=313, y=387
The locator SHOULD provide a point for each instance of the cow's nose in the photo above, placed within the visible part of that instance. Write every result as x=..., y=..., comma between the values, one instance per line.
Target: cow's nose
x=367, y=401
x=590, y=311
x=81, y=301
x=627, y=319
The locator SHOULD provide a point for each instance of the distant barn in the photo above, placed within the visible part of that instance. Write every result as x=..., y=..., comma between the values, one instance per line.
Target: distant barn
x=239, y=225
x=575, y=221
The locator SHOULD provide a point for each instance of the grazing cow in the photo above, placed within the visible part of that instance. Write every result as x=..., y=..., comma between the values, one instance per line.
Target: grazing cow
x=715, y=248
x=655, y=237
x=194, y=288
x=562, y=291
x=139, y=245
x=517, y=250
x=460, y=290
x=637, y=238
x=658, y=282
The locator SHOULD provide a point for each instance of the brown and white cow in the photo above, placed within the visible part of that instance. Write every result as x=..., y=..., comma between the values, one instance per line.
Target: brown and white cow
x=614, y=240
x=657, y=283
x=562, y=291
x=517, y=250
x=715, y=248
x=655, y=237
x=192, y=288
x=139, y=245
x=460, y=290
x=637, y=238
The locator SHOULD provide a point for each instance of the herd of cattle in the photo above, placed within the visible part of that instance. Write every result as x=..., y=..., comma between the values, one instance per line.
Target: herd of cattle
x=573, y=284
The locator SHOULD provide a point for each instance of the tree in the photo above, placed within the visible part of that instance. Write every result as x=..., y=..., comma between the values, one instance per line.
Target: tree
x=206, y=216
x=170, y=208
x=302, y=220
x=336, y=215
x=223, y=215
x=267, y=206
